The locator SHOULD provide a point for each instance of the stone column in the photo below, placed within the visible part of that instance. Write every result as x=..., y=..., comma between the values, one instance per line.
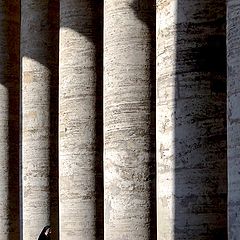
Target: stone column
x=9, y=119
x=78, y=140
x=165, y=104
x=233, y=117
x=128, y=136
x=36, y=55
x=191, y=125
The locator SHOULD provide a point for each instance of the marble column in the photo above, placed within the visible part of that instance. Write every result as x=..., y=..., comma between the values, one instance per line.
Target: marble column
x=233, y=117
x=37, y=51
x=78, y=114
x=191, y=120
x=128, y=124
x=9, y=119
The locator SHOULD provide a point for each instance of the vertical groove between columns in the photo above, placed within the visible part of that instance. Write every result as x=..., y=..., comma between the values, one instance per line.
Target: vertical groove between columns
x=98, y=23
x=53, y=60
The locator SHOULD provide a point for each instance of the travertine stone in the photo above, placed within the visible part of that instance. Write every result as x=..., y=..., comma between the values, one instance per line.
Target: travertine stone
x=36, y=53
x=165, y=103
x=128, y=152
x=78, y=119
x=190, y=120
x=9, y=119
x=233, y=117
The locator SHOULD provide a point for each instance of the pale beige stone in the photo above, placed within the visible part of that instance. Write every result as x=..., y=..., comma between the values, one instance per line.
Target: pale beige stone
x=128, y=139
x=36, y=56
x=78, y=120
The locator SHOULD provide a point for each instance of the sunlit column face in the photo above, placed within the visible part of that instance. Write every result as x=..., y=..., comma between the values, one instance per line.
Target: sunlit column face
x=35, y=145
x=166, y=17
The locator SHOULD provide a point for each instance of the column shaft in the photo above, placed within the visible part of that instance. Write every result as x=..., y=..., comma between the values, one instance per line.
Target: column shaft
x=37, y=51
x=191, y=125
x=233, y=117
x=78, y=156
x=9, y=119
x=128, y=136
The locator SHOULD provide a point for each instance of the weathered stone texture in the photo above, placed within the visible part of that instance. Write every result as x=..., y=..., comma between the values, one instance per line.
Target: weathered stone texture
x=191, y=131
x=36, y=54
x=128, y=152
x=9, y=120
x=233, y=117
x=67, y=109
x=165, y=100
x=78, y=120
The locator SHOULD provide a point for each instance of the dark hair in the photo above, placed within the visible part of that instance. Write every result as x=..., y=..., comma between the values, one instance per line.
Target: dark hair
x=43, y=235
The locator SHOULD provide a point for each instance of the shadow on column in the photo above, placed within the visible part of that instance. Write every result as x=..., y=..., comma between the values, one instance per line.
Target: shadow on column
x=12, y=83
x=200, y=121
x=91, y=26
x=145, y=11
x=54, y=96
x=99, y=122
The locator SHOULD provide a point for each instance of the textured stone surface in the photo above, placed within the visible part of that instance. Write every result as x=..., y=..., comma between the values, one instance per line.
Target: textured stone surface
x=9, y=120
x=191, y=129
x=233, y=117
x=165, y=100
x=190, y=114
x=37, y=52
x=79, y=159
x=128, y=140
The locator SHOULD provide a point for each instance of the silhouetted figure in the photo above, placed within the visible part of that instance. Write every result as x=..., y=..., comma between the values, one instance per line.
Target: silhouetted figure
x=45, y=234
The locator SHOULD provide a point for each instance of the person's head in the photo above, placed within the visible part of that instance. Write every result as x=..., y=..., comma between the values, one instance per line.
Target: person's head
x=45, y=234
